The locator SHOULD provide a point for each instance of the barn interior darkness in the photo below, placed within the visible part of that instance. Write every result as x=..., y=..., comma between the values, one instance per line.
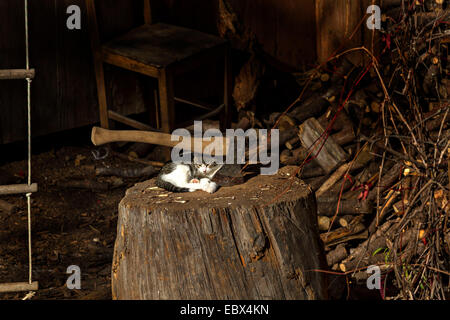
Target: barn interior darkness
x=370, y=87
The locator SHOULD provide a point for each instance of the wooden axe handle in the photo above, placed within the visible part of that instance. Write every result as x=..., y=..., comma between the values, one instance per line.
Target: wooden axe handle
x=101, y=136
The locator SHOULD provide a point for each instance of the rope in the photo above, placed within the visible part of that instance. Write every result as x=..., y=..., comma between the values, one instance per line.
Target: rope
x=28, y=195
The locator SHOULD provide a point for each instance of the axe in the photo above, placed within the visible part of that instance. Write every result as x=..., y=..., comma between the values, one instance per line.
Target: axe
x=229, y=174
x=101, y=136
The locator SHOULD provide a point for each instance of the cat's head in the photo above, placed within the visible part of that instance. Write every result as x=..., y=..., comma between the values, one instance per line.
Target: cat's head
x=205, y=168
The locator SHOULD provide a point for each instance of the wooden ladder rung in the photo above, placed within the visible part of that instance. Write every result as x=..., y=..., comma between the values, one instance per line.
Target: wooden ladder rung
x=18, y=188
x=19, y=286
x=8, y=74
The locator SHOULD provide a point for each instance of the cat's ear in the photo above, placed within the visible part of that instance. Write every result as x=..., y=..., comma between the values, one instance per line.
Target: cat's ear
x=197, y=159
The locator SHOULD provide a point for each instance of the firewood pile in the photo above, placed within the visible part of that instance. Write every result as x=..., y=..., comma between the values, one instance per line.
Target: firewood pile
x=372, y=141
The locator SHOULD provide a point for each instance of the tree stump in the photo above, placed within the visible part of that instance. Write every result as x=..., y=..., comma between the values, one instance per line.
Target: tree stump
x=248, y=241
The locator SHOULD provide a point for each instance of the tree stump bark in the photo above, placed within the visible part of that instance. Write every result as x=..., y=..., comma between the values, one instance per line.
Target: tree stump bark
x=248, y=241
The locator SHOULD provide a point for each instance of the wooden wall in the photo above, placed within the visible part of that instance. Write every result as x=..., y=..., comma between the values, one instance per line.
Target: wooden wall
x=64, y=93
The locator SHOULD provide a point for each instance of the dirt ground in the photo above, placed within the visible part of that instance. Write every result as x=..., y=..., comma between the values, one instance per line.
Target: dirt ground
x=70, y=226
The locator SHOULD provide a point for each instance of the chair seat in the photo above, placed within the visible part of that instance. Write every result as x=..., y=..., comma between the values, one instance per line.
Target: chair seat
x=160, y=44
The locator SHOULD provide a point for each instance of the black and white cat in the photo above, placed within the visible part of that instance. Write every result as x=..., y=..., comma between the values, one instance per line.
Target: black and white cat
x=181, y=177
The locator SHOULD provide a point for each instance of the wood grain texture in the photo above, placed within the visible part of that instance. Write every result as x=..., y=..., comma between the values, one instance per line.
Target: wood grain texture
x=232, y=244
x=335, y=22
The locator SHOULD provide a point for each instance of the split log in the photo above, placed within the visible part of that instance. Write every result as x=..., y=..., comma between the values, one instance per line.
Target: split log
x=312, y=170
x=284, y=122
x=315, y=105
x=367, y=248
x=286, y=135
x=345, y=220
x=327, y=207
x=345, y=136
x=316, y=182
x=342, y=126
x=331, y=155
x=336, y=255
x=339, y=233
x=386, y=180
x=324, y=223
x=345, y=239
x=293, y=143
x=345, y=183
x=332, y=180
x=293, y=157
x=241, y=242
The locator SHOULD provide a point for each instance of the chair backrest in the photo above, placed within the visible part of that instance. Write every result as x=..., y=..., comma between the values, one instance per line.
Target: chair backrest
x=93, y=26
x=91, y=12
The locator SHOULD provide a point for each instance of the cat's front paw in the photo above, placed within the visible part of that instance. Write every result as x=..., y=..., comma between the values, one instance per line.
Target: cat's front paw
x=195, y=181
x=207, y=185
x=212, y=187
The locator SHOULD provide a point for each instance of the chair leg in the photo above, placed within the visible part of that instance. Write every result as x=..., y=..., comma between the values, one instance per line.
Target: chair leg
x=101, y=93
x=225, y=122
x=98, y=64
x=166, y=102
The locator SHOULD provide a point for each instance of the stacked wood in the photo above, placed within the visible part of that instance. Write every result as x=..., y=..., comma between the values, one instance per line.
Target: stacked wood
x=375, y=149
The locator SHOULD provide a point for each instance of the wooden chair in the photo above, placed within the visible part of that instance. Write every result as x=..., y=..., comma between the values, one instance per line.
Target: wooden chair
x=160, y=51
